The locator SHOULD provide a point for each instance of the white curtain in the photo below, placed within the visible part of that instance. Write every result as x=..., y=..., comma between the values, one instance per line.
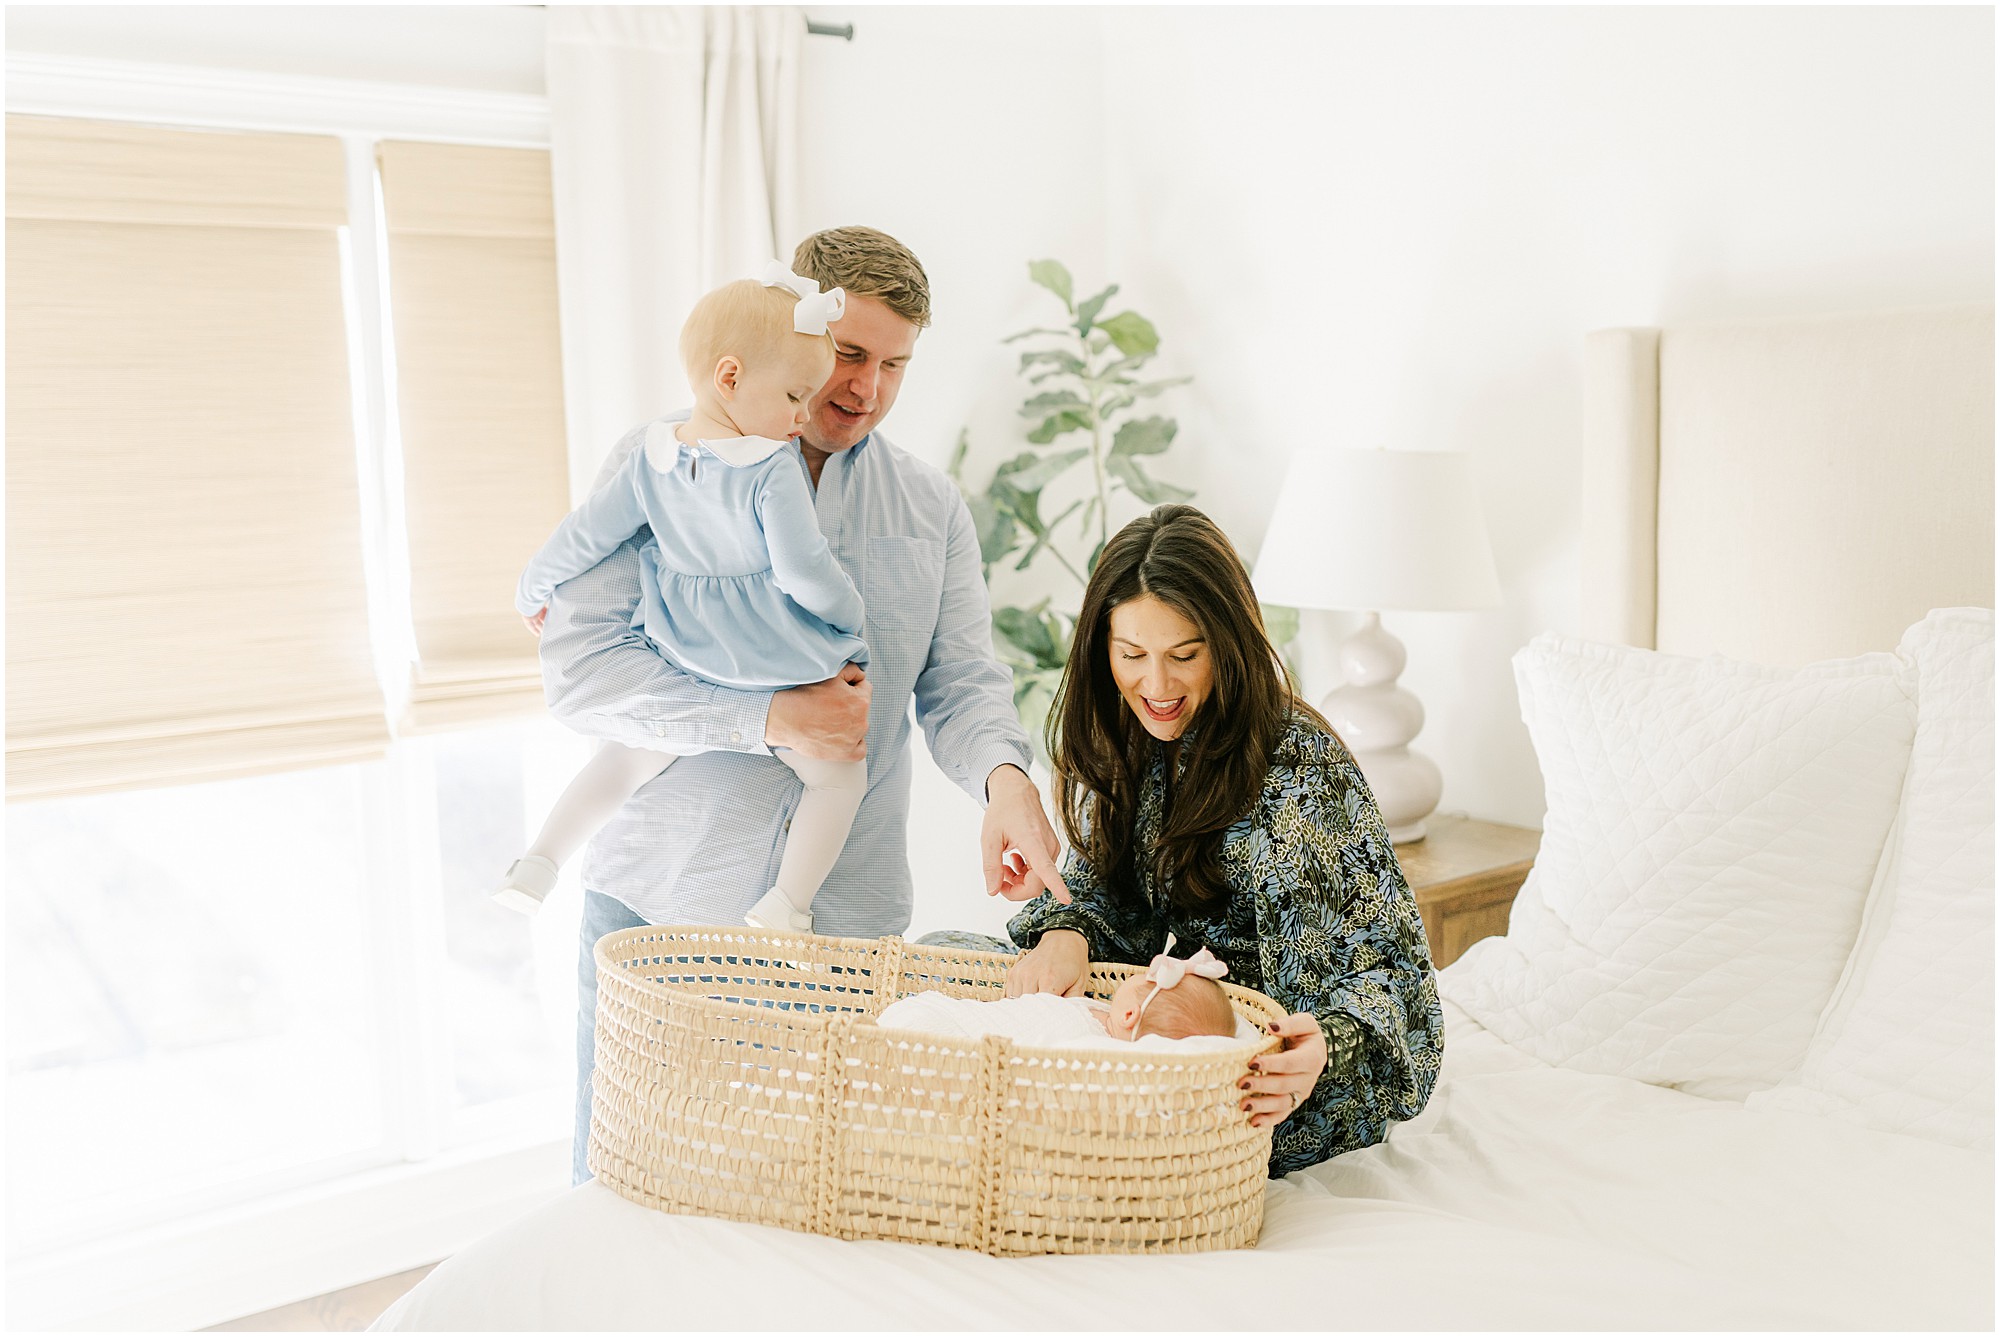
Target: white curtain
x=674, y=141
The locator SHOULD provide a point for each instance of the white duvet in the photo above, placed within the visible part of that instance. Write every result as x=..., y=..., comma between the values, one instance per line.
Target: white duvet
x=1525, y=1197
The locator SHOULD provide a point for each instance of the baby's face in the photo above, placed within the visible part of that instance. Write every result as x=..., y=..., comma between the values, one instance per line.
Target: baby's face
x=773, y=390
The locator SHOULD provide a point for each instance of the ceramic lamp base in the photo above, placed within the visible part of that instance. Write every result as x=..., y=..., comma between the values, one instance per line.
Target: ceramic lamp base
x=1377, y=719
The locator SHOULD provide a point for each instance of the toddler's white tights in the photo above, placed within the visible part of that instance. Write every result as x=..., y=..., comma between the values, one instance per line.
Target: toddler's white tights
x=834, y=790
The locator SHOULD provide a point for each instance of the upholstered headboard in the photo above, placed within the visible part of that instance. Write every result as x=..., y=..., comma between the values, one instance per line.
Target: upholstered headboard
x=1787, y=491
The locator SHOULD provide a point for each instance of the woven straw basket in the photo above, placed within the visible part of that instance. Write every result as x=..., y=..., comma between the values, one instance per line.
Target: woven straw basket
x=740, y=1074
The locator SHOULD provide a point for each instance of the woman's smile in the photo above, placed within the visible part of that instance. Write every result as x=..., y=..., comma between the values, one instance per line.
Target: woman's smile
x=1161, y=665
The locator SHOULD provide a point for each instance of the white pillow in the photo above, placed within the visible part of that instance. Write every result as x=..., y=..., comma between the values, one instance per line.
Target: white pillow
x=1712, y=831
x=1906, y=1046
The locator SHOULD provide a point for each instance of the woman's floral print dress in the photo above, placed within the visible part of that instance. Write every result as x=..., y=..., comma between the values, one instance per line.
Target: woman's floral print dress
x=1318, y=917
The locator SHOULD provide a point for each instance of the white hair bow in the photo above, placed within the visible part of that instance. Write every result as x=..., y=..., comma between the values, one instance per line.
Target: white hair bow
x=1167, y=971
x=816, y=309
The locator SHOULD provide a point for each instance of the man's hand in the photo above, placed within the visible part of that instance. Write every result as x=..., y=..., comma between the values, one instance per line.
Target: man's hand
x=535, y=622
x=1059, y=963
x=824, y=720
x=1017, y=846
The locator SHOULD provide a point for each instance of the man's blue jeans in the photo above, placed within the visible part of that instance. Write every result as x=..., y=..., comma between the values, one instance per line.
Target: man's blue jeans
x=601, y=915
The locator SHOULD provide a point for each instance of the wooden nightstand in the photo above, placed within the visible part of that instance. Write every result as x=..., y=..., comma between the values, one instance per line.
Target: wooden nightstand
x=1465, y=873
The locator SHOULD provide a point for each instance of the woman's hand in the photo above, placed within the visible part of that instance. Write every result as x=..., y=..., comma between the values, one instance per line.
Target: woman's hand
x=1279, y=1083
x=1059, y=964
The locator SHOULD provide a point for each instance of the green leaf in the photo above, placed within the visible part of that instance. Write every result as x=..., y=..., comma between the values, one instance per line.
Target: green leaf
x=1144, y=436
x=1043, y=536
x=1025, y=334
x=1060, y=358
x=1281, y=623
x=1053, y=401
x=1032, y=632
x=1098, y=342
x=1132, y=332
x=1086, y=311
x=1151, y=388
x=1056, y=426
x=1090, y=568
x=995, y=526
x=1116, y=372
x=1028, y=472
x=1051, y=274
x=1030, y=681
x=1149, y=490
x=1034, y=697
x=955, y=471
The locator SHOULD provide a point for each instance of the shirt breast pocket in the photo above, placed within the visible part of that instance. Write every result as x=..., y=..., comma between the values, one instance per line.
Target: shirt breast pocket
x=904, y=583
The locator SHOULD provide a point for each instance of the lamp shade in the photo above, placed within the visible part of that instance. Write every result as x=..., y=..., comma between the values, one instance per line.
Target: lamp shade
x=1374, y=530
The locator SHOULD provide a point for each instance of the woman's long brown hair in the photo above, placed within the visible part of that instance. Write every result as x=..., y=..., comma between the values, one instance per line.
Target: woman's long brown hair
x=1101, y=750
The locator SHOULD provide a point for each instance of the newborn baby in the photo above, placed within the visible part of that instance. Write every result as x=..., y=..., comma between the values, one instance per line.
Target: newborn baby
x=1173, y=1001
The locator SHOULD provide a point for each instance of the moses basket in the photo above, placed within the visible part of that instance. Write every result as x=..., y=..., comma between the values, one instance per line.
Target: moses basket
x=740, y=1074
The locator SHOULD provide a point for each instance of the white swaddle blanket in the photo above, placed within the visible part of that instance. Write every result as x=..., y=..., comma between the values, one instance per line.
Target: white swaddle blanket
x=1042, y=1019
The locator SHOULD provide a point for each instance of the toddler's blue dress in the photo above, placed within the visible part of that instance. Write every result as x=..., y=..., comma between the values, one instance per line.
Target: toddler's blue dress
x=737, y=584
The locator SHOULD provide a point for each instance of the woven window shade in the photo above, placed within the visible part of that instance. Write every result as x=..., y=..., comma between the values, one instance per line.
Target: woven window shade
x=472, y=273
x=185, y=597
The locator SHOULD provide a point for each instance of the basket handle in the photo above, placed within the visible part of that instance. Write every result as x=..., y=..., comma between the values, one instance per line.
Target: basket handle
x=994, y=1051
x=826, y=1126
x=888, y=973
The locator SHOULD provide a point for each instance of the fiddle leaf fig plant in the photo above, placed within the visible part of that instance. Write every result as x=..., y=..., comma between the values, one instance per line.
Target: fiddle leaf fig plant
x=1089, y=382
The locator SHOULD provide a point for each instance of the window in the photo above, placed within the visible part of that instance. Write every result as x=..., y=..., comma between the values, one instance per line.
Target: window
x=252, y=946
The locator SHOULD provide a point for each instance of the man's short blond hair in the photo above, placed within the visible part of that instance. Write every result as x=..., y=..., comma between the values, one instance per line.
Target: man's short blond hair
x=1195, y=1006
x=867, y=263
x=746, y=320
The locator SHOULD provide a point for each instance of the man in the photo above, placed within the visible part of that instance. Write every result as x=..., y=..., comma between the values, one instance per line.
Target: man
x=701, y=843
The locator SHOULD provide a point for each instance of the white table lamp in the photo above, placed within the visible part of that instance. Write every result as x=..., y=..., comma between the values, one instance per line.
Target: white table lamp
x=1365, y=531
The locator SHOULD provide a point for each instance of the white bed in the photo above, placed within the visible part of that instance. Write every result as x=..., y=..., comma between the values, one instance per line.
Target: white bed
x=1524, y=1197
x=1554, y=1181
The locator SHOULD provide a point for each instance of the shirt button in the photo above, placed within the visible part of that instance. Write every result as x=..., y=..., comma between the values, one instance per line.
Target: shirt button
x=735, y=736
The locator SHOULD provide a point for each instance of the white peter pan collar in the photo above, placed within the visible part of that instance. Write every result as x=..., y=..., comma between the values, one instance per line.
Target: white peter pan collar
x=663, y=448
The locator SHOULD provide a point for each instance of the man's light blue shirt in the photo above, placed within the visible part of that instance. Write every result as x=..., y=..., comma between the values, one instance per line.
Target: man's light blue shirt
x=702, y=842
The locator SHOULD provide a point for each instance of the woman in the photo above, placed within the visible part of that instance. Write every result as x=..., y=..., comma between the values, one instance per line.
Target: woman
x=1201, y=799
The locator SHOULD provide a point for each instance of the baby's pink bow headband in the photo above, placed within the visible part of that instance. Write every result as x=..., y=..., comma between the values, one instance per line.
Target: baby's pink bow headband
x=1167, y=971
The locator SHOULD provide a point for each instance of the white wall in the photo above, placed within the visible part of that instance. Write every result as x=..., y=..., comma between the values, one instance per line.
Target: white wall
x=1392, y=227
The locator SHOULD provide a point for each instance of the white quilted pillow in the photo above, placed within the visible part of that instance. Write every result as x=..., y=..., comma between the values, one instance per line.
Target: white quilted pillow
x=1712, y=831
x=1906, y=1046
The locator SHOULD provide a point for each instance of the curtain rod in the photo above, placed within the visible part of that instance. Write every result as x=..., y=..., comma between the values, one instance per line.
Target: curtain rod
x=844, y=31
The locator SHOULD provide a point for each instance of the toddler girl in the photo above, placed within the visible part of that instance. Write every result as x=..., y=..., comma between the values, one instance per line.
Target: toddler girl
x=737, y=584
x=1174, y=1000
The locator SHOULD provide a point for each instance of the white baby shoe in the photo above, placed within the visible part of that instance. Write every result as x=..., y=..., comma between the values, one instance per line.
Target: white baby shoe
x=777, y=911
x=527, y=884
